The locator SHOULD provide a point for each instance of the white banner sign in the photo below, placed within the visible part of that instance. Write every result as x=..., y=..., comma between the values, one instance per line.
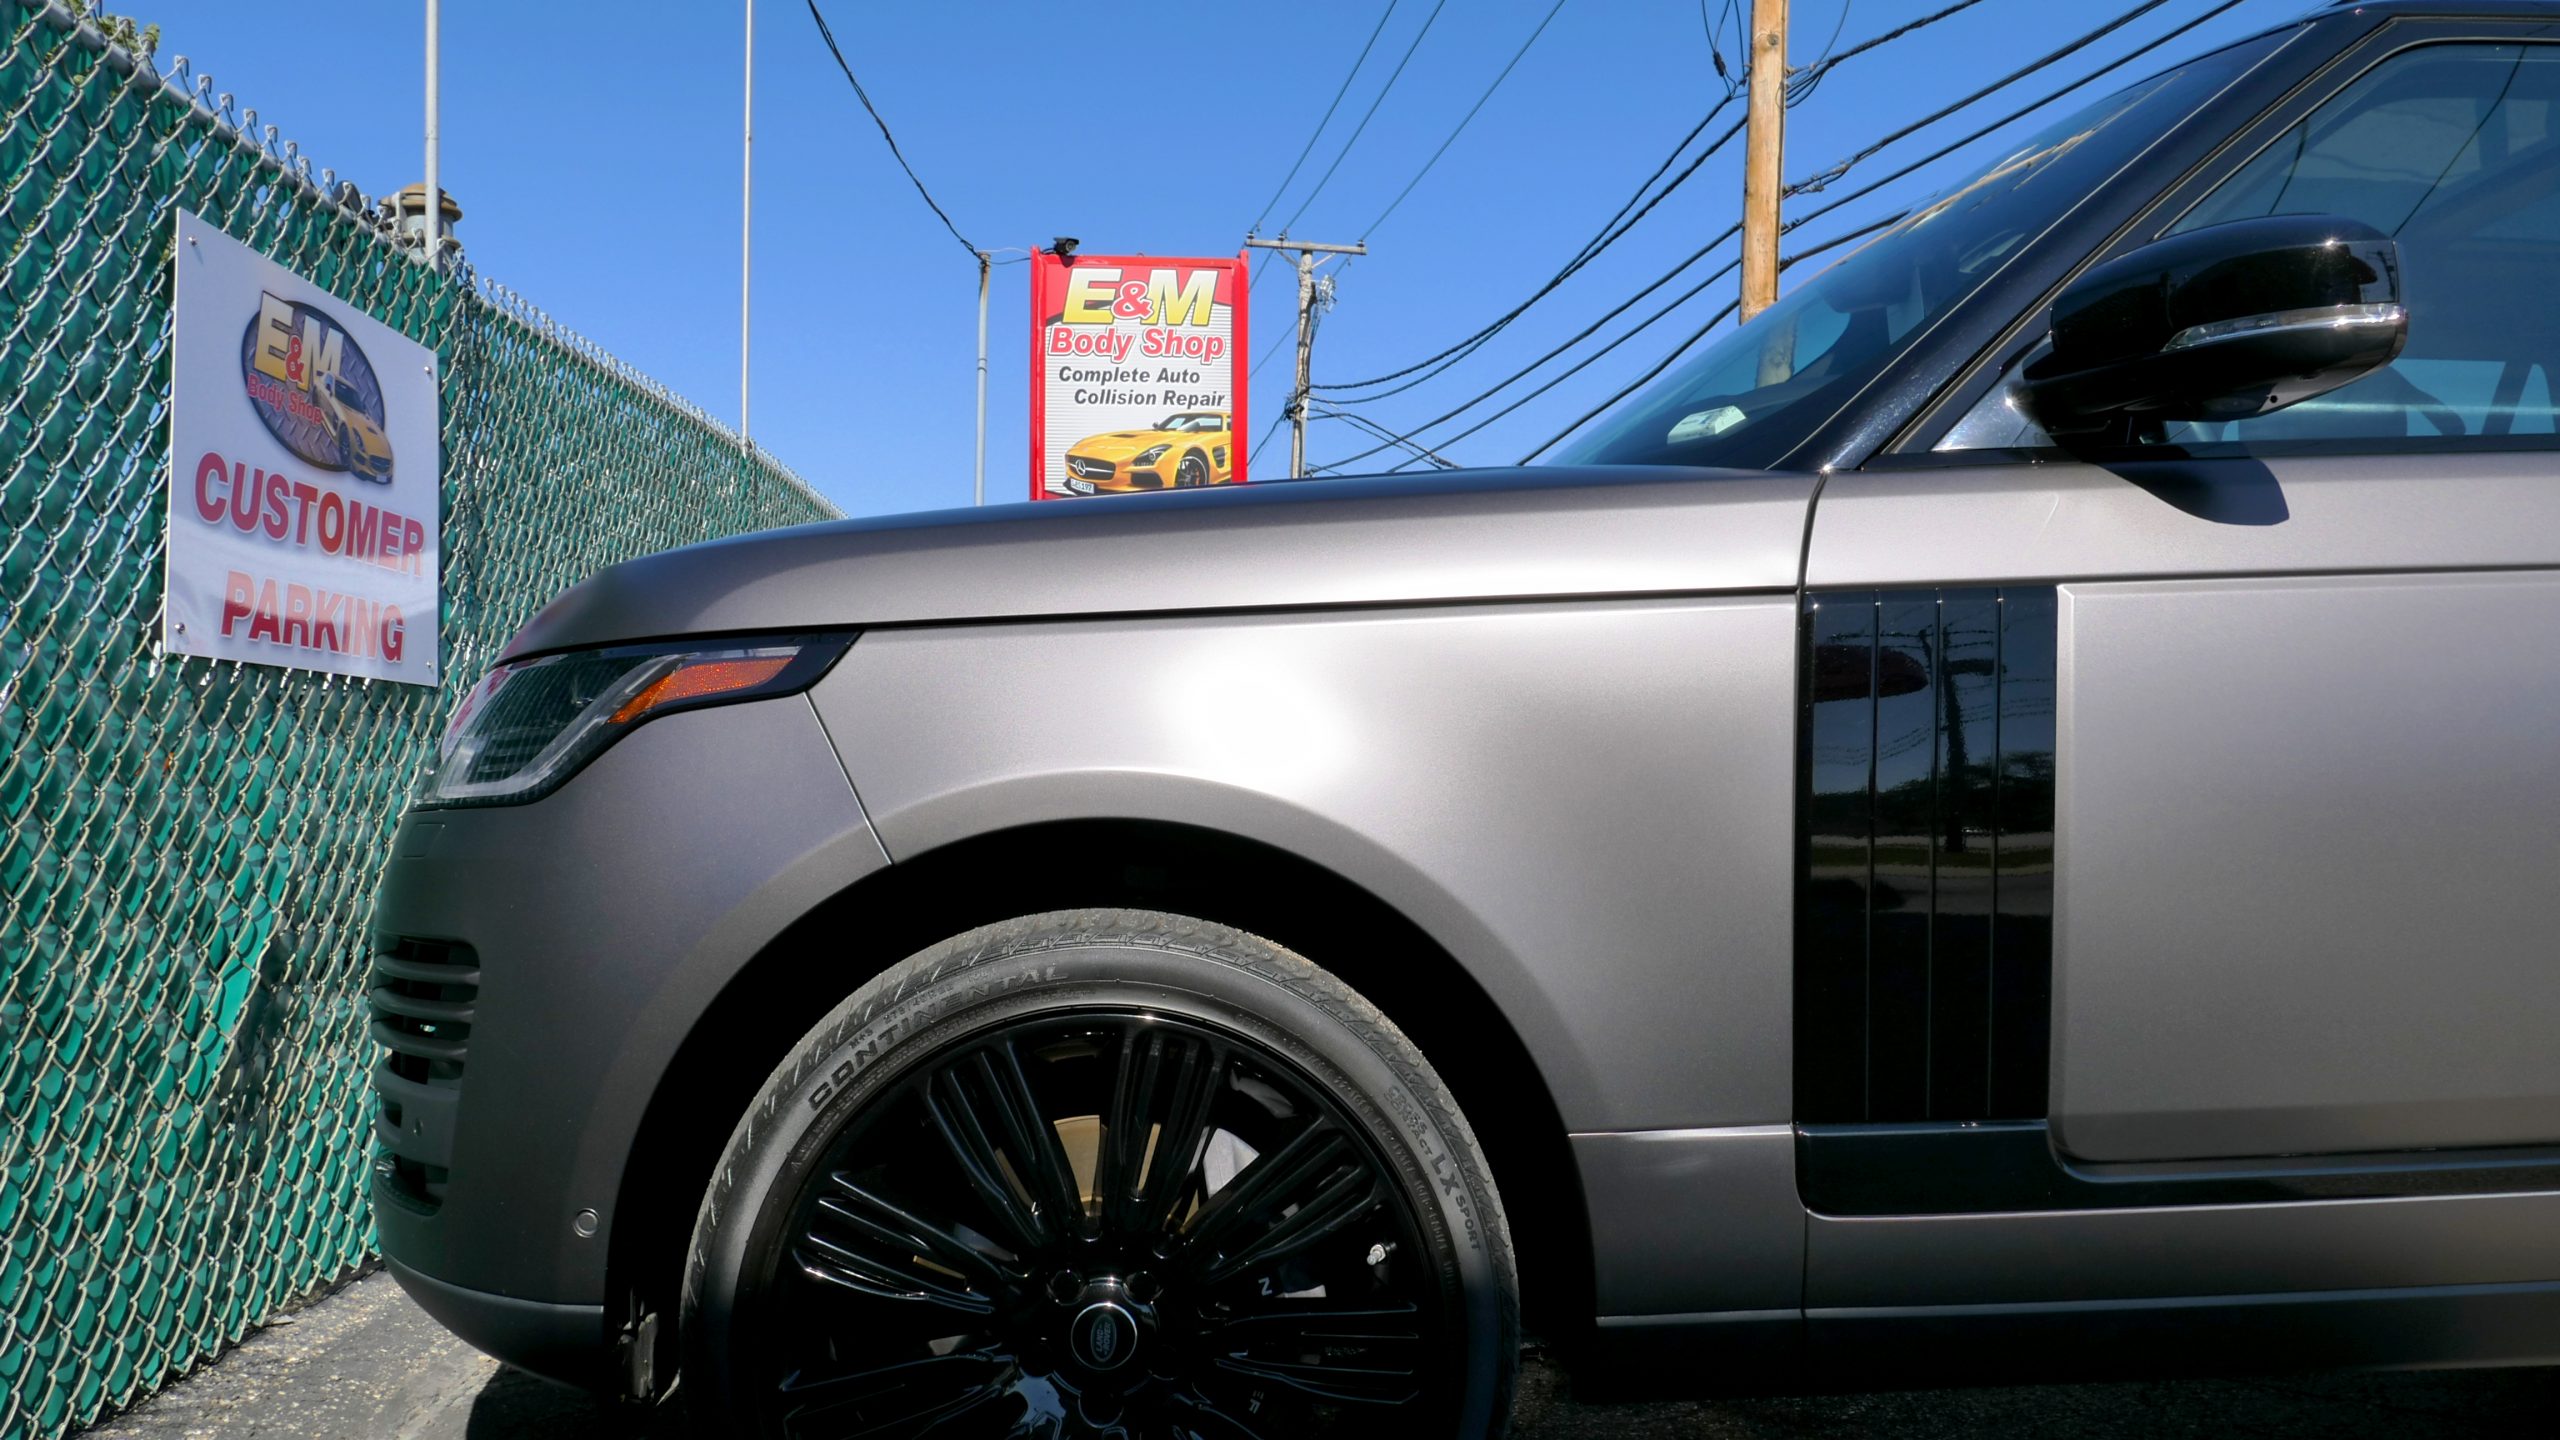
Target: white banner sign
x=304, y=458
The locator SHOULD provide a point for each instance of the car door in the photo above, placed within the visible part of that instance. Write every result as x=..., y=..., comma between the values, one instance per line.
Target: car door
x=2282, y=696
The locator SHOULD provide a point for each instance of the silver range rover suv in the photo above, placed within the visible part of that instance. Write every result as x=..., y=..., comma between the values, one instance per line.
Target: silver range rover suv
x=2000, y=820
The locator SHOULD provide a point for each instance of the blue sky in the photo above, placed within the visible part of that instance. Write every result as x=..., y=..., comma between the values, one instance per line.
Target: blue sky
x=595, y=149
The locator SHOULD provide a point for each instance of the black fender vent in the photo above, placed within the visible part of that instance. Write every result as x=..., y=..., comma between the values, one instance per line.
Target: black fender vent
x=1924, y=939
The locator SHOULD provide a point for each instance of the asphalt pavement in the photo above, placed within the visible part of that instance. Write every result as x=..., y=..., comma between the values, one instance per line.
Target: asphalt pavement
x=366, y=1362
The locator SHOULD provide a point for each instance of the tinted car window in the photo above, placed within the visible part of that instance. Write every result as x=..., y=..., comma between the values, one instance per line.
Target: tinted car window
x=2454, y=151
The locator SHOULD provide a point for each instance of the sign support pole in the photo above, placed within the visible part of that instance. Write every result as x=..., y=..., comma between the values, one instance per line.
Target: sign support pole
x=1306, y=251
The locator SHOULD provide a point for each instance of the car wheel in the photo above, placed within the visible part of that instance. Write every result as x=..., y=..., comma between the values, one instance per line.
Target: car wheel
x=1193, y=473
x=1106, y=1173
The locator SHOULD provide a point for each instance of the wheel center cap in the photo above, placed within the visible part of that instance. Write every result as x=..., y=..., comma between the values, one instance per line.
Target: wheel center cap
x=1103, y=1336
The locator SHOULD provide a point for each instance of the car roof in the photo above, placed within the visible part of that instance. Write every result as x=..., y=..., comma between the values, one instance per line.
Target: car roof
x=2492, y=8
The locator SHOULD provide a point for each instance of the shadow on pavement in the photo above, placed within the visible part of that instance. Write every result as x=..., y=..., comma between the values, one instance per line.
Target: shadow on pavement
x=2404, y=1406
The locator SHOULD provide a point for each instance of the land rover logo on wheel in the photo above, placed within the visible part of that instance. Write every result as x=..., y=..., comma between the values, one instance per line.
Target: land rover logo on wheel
x=1102, y=1334
x=314, y=390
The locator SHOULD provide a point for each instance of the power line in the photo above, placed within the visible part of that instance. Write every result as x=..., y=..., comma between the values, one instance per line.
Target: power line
x=1619, y=224
x=1400, y=442
x=1817, y=183
x=1715, y=40
x=1267, y=432
x=1800, y=87
x=864, y=96
x=1586, y=361
x=1318, y=132
x=1835, y=172
x=1463, y=122
x=1591, y=249
x=1826, y=177
x=1803, y=186
x=1623, y=306
x=1683, y=347
x=1879, y=41
x=1357, y=130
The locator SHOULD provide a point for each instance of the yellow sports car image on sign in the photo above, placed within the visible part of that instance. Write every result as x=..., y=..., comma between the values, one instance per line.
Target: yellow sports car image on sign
x=362, y=447
x=1183, y=450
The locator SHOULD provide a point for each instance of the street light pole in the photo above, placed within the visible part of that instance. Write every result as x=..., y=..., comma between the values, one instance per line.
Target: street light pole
x=1306, y=251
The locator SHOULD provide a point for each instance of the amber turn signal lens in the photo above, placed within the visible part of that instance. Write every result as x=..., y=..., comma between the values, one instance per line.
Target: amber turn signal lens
x=699, y=678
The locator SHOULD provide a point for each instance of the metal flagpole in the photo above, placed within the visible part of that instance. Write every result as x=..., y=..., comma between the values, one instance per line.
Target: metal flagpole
x=434, y=198
x=984, y=261
x=747, y=226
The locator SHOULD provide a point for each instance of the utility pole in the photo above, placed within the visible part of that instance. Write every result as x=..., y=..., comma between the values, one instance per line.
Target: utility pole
x=434, y=198
x=1763, y=154
x=984, y=261
x=1306, y=252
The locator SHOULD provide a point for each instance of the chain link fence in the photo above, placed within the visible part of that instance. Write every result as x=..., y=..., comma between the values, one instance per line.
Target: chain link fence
x=190, y=847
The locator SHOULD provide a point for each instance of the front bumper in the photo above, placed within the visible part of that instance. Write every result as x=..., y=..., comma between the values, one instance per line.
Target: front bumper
x=593, y=928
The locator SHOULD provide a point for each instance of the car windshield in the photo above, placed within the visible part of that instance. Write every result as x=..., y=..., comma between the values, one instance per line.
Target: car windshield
x=1758, y=391
x=1188, y=424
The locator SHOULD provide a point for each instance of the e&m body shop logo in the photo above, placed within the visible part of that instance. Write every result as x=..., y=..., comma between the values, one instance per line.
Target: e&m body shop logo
x=313, y=388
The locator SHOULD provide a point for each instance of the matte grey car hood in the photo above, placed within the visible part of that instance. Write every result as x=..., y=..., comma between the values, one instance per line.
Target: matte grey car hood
x=1456, y=535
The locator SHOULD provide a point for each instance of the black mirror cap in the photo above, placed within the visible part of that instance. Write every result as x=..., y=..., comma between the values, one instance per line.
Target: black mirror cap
x=2222, y=323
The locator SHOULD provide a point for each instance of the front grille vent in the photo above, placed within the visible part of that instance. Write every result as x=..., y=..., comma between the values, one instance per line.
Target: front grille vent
x=424, y=996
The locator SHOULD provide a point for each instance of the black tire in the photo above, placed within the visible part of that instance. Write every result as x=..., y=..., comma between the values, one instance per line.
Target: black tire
x=1192, y=473
x=1363, y=1285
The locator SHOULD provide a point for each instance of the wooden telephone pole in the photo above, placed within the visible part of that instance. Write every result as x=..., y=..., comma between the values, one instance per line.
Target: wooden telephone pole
x=1764, y=152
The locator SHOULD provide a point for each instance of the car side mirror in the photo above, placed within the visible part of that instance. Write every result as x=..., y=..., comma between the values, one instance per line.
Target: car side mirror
x=2222, y=323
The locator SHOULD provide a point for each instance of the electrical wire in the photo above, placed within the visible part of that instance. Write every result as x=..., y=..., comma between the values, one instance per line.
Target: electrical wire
x=1802, y=84
x=1827, y=177
x=1586, y=361
x=1585, y=333
x=1715, y=41
x=1366, y=117
x=1806, y=186
x=1620, y=223
x=2010, y=118
x=1381, y=432
x=1694, y=337
x=1463, y=122
x=1268, y=431
x=1800, y=87
x=1608, y=235
x=865, y=97
x=1318, y=133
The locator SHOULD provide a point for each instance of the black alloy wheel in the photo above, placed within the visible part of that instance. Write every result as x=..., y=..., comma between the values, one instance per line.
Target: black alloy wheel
x=1193, y=472
x=1102, y=1173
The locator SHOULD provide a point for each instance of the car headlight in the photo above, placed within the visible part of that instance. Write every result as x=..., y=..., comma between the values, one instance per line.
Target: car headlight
x=1149, y=457
x=530, y=724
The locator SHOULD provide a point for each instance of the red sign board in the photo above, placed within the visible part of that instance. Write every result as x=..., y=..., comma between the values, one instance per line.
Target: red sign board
x=1137, y=374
